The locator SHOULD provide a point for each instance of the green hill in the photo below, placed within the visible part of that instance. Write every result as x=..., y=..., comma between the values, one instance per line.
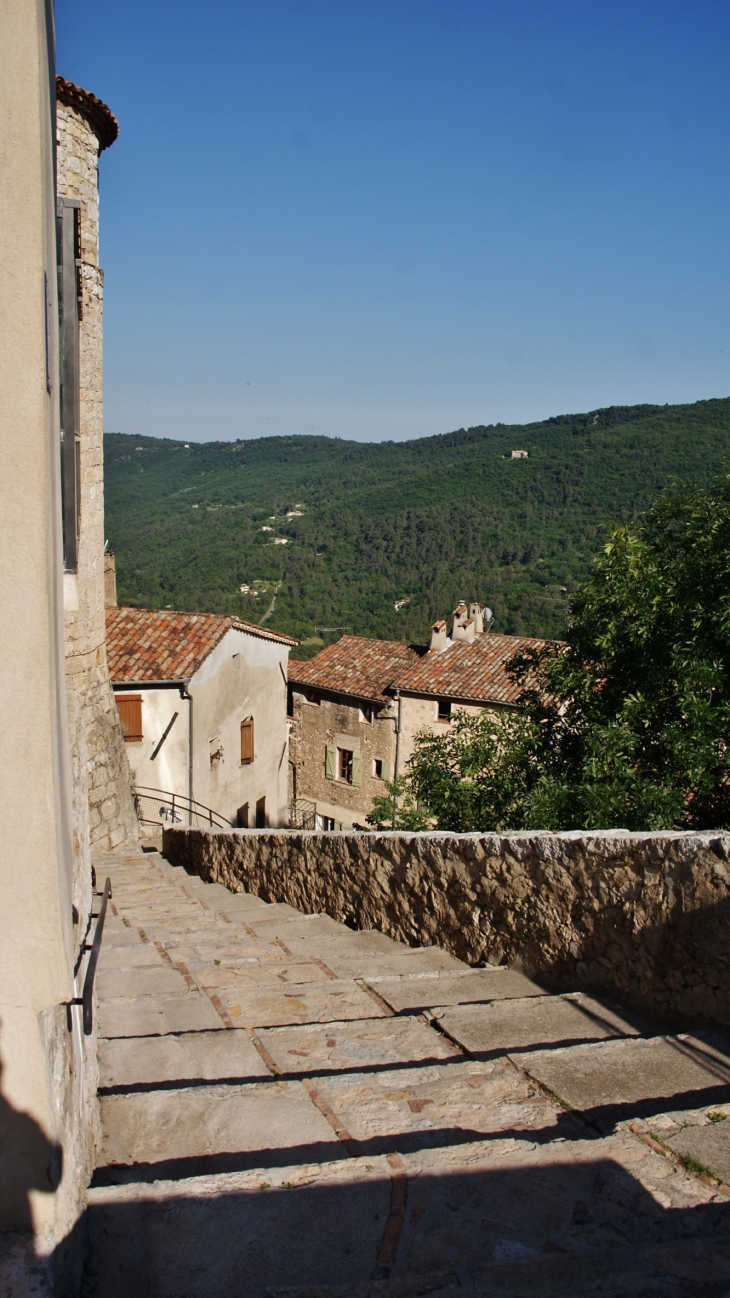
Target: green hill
x=429, y=521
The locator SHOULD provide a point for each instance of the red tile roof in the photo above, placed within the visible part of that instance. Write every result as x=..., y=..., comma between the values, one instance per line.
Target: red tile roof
x=100, y=118
x=470, y=670
x=160, y=645
x=364, y=668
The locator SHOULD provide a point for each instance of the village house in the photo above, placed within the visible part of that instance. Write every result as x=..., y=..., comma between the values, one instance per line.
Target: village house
x=358, y=705
x=202, y=702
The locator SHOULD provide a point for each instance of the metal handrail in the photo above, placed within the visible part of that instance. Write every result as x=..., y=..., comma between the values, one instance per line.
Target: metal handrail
x=87, y=996
x=171, y=807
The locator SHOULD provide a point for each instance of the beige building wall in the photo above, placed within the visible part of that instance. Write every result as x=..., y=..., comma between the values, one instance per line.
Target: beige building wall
x=419, y=713
x=103, y=808
x=338, y=722
x=244, y=676
x=47, y=1091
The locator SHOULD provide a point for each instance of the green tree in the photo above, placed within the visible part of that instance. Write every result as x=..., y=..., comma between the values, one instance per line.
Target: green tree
x=398, y=809
x=626, y=723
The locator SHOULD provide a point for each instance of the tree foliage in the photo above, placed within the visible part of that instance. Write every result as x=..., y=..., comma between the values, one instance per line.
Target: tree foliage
x=627, y=723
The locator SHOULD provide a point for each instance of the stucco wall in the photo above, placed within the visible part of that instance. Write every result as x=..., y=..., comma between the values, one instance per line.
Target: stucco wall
x=419, y=714
x=102, y=774
x=244, y=676
x=47, y=1093
x=644, y=916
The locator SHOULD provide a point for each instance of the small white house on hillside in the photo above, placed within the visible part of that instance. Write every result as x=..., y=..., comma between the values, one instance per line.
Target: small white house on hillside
x=202, y=701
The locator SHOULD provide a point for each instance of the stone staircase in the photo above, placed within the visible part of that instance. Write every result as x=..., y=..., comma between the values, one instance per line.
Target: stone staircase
x=290, y=1107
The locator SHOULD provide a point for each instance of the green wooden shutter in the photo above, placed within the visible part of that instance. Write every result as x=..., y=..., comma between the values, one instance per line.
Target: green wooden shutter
x=330, y=762
x=386, y=770
x=357, y=770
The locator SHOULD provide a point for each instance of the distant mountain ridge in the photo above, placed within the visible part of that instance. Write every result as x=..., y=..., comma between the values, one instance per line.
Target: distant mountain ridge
x=430, y=520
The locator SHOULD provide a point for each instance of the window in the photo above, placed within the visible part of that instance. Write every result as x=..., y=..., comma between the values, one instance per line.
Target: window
x=242, y=816
x=261, y=813
x=313, y=697
x=444, y=709
x=130, y=716
x=381, y=769
x=325, y=822
x=366, y=712
x=344, y=765
x=247, y=750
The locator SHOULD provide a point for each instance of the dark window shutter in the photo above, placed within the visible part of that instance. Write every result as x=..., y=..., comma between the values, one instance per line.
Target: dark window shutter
x=130, y=716
x=247, y=753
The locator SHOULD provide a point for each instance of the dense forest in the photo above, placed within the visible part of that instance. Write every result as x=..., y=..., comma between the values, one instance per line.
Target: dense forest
x=427, y=521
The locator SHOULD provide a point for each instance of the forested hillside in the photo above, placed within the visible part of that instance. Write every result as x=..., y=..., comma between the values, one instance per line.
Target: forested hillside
x=427, y=521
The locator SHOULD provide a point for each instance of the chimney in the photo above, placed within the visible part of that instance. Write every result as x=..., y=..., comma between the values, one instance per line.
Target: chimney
x=464, y=630
x=476, y=612
x=460, y=617
x=110, y=579
x=439, y=638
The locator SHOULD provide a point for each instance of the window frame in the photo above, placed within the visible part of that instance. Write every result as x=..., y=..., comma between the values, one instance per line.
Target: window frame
x=345, y=767
x=123, y=701
x=444, y=710
x=248, y=746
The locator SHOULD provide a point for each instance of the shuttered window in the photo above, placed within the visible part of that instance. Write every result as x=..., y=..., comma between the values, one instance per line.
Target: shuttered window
x=330, y=762
x=356, y=780
x=247, y=753
x=130, y=715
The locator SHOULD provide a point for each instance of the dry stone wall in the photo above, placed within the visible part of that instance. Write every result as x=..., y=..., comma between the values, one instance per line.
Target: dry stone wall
x=643, y=916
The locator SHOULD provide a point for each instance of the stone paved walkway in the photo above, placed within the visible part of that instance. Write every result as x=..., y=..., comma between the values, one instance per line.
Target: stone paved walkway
x=290, y=1107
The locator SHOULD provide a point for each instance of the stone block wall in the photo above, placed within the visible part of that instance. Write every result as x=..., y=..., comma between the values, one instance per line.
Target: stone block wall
x=338, y=722
x=645, y=917
x=101, y=771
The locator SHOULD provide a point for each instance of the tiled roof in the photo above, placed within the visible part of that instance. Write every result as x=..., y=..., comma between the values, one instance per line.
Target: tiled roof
x=364, y=668
x=160, y=645
x=100, y=118
x=470, y=670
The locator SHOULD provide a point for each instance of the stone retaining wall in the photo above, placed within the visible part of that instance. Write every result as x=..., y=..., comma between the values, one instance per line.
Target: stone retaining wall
x=643, y=916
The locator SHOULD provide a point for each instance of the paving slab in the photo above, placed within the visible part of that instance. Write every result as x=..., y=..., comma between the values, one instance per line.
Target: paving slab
x=137, y=955
x=708, y=1146
x=438, y=1104
x=257, y=974
x=354, y=1045
x=307, y=927
x=163, y=1134
x=423, y=991
x=112, y=984
x=189, y=1056
x=348, y=963
x=241, y=1235
x=157, y=1015
x=618, y=1080
x=320, y=1002
x=279, y=910
x=510, y=1025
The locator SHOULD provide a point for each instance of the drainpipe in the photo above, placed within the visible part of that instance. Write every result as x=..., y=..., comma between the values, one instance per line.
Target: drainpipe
x=397, y=756
x=185, y=694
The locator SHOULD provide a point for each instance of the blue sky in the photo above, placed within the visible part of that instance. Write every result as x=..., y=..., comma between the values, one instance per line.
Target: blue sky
x=386, y=220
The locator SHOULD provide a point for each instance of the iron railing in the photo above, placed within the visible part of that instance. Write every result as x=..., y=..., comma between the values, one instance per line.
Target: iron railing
x=303, y=814
x=86, y=999
x=157, y=807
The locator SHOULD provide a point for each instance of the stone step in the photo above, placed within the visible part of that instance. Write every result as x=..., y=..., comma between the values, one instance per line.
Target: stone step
x=501, y=1027
x=321, y=1001
x=620, y=1080
x=118, y=984
x=354, y=1046
x=157, y=1015
x=239, y=1235
x=166, y=1134
x=427, y=990
x=128, y=1063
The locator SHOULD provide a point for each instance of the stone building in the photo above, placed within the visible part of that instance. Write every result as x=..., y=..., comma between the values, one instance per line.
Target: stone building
x=103, y=808
x=202, y=699
x=357, y=707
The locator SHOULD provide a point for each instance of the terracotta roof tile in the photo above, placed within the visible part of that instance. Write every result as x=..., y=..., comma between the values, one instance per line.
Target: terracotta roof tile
x=470, y=670
x=364, y=668
x=162, y=645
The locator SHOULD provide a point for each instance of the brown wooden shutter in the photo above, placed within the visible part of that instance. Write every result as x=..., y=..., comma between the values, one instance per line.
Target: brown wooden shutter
x=130, y=715
x=247, y=753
